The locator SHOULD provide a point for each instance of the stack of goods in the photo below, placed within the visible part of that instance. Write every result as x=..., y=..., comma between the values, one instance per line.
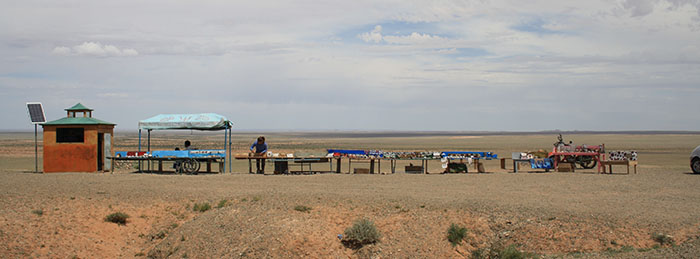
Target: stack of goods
x=591, y=149
x=462, y=156
x=130, y=154
x=353, y=154
x=375, y=153
x=411, y=155
x=544, y=163
x=453, y=168
x=538, y=154
x=526, y=156
x=469, y=154
x=623, y=155
x=207, y=153
x=563, y=148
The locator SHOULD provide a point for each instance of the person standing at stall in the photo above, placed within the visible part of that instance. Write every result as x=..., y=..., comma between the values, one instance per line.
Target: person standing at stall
x=259, y=148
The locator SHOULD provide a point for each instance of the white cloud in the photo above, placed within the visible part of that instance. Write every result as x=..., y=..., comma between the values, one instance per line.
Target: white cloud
x=640, y=8
x=374, y=36
x=413, y=38
x=63, y=51
x=94, y=49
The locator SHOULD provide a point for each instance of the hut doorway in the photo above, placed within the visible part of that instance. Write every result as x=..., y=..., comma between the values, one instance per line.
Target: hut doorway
x=100, y=151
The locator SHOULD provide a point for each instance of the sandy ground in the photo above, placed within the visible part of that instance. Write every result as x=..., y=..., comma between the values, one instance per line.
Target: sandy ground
x=580, y=214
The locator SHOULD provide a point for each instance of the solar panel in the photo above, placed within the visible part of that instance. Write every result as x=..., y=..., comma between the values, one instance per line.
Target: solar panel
x=36, y=113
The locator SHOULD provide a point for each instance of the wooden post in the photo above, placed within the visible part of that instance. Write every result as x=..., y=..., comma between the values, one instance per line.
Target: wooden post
x=337, y=170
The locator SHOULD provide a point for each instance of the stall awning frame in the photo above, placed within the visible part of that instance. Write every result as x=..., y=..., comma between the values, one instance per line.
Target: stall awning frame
x=199, y=121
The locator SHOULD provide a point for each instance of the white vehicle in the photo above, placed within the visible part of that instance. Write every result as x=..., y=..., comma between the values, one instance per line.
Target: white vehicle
x=695, y=160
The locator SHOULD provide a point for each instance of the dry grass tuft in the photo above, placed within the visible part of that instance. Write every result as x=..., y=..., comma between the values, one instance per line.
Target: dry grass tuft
x=455, y=234
x=362, y=232
x=302, y=208
x=117, y=217
x=201, y=207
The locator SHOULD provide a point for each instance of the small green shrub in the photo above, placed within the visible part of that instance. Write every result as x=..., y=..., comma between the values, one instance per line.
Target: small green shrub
x=201, y=207
x=221, y=204
x=160, y=235
x=302, y=208
x=626, y=249
x=256, y=198
x=480, y=253
x=362, y=232
x=512, y=252
x=38, y=212
x=117, y=217
x=663, y=239
x=455, y=234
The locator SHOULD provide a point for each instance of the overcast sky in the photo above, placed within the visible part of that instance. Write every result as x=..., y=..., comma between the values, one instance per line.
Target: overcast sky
x=364, y=65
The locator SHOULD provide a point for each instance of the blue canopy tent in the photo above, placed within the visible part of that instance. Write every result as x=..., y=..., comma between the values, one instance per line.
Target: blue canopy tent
x=201, y=121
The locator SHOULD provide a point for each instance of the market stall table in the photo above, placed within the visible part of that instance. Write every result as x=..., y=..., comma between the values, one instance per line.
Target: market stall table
x=301, y=161
x=558, y=156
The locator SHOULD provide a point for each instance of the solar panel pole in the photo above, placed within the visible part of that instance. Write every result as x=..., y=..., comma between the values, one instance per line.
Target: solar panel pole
x=36, y=116
x=36, y=151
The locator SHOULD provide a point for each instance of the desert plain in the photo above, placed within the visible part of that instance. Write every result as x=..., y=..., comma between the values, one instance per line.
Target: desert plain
x=652, y=214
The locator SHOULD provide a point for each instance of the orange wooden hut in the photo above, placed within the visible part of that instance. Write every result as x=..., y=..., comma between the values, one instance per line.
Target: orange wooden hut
x=78, y=142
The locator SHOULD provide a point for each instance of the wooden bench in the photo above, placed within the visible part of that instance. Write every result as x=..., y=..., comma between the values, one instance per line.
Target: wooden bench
x=610, y=163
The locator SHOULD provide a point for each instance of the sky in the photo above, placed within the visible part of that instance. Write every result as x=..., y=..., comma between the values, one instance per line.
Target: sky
x=358, y=65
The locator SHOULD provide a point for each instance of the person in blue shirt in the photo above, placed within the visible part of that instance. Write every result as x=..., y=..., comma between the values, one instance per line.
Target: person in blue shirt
x=259, y=148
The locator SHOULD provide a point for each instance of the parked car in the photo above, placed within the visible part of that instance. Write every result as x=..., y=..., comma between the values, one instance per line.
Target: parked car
x=695, y=160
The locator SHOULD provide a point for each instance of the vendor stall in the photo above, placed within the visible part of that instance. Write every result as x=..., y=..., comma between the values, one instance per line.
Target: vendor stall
x=188, y=160
x=447, y=157
x=586, y=156
x=283, y=163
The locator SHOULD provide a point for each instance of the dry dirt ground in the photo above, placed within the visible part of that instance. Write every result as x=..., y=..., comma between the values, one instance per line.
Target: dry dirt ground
x=577, y=215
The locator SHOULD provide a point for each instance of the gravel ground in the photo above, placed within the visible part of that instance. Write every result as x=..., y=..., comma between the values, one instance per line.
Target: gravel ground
x=554, y=213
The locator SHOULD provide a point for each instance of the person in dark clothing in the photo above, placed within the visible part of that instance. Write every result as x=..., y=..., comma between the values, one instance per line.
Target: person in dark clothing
x=259, y=148
x=177, y=164
x=188, y=145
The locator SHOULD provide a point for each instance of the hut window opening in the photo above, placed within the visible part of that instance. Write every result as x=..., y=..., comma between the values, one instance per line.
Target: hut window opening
x=70, y=135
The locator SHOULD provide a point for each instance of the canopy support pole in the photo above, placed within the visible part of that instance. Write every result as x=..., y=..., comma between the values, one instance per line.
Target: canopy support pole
x=230, y=156
x=149, y=149
x=225, y=150
x=140, y=163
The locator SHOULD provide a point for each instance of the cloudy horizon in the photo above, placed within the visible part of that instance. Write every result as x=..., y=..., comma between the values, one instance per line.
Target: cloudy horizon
x=359, y=65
